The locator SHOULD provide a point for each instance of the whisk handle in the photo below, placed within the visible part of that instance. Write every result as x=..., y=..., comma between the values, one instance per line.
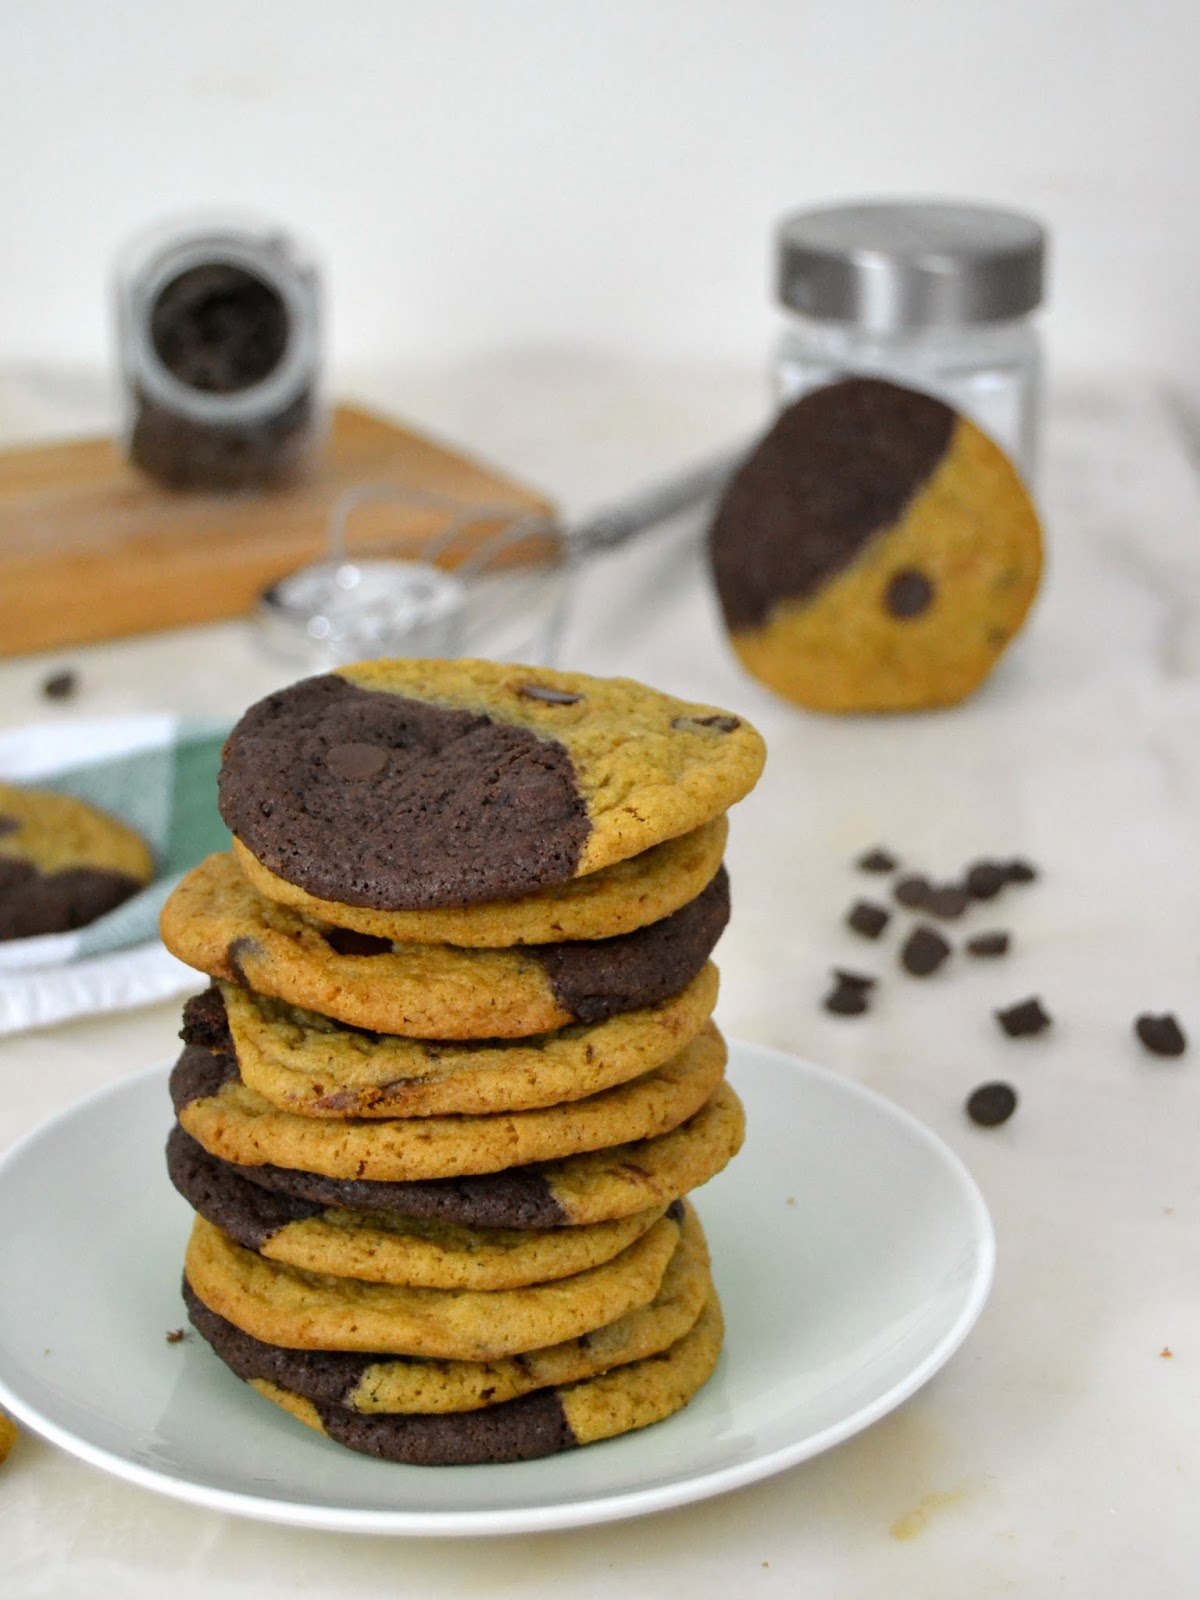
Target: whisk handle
x=613, y=524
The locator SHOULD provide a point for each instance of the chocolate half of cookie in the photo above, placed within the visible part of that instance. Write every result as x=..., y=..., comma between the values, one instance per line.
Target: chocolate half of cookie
x=33, y=902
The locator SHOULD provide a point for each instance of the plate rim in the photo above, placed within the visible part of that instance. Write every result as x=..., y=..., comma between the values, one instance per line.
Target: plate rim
x=555, y=1516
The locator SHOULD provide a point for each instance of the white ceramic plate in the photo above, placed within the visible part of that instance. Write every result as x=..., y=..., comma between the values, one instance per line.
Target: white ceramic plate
x=852, y=1250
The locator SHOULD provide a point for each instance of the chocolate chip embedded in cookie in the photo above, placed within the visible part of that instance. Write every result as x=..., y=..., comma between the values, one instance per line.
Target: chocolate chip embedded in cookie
x=63, y=862
x=876, y=552
x=416, y=785
x=217, y=923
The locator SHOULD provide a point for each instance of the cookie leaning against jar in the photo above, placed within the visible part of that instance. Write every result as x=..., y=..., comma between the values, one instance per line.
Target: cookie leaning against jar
x=417, y=785
x=63, y=862
x=876, y=552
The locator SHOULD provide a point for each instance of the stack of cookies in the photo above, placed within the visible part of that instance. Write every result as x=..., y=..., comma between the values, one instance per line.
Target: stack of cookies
x=440, y=1110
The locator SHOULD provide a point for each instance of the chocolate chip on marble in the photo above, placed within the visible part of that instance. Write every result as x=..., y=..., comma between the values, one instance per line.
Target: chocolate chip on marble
x=552, y=697
x=985, y=879
x=991, y=1104
x=722, y=723
x=909, y=593
x=354, y=762
x=913, y=891
x=867, y=918
x=1019, y=870
x=877, y=859
x=850, y=995
x=1024, y=1019
x=947, y=900
x=988, y=944
x=61, y=685
x=1161, y=1035
x=923, y=951
x=350, y=942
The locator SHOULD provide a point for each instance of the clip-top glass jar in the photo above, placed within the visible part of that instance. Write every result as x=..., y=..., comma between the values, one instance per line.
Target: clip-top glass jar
x=934, y=295
x=219, y=332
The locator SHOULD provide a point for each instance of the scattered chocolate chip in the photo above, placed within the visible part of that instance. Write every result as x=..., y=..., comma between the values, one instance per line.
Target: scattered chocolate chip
x=854, y=980
x=985, y=879
x=1019, y=871
x=991, y=1104
x=912, y=891
x=850, y=995
x=867, y=918
x=1161, y=1035
x=988, y=944
x=909, y=593
x=60, y=685
x=877, y=860
x=176, y=1335
x=552, y=697
x=349, y=942
x=923, y=951
x=1025, y=1018
x=354, y=762
x=947, y=900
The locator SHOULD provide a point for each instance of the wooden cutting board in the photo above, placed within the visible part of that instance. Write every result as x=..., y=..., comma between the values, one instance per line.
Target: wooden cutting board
x=91, y=549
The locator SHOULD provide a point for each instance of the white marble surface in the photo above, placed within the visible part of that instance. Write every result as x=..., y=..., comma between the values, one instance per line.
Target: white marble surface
x=1059, y=1452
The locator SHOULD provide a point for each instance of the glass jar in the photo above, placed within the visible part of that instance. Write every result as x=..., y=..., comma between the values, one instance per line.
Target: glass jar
x=218, y=328
x=934, y=295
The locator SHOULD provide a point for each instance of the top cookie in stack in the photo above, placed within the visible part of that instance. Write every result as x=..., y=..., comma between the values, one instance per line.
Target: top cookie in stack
x=463, y=984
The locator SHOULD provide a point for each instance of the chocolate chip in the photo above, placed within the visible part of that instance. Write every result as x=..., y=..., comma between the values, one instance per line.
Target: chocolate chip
x=947, y=900
x=8, y=825
x=988, y=944
x=991, y=1104
x=552, y=697
x=349, y=942
x=877, y=860
x=1023, y=1019
x=909, y=593
x=354, y=762
x=1161, y=1035
x=850, y=995
x=923, y=951
x=912, y=891
x=854, y=980
x=722, y=723
x=867, y=918
x=985, y=879
x=60, y=685
x=1019, y=871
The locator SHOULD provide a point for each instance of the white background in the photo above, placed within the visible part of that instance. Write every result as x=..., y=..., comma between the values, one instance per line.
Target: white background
x=484, y=178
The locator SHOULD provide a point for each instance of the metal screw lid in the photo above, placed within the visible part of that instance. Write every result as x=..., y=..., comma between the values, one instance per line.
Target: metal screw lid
x=893, y=265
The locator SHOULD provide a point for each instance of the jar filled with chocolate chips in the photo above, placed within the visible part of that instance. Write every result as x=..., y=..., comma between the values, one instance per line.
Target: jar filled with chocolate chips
x=219, y=345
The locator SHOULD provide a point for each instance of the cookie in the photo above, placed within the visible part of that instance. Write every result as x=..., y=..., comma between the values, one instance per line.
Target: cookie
x=876, y=552
x=8, y=1434
x=314, y=1311
x=596, y=1187
x=217, y=923
x=63, y=863
x=413, y=785
x=614, y=900
x=539, y=1424
x=373, y=1384
x=236, y=1124
x=315, y=1066
x=382, y=1247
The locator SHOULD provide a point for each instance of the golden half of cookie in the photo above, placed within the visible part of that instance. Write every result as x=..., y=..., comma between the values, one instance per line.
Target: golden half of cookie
x=314, y=1066
x=413, y=785
x=315, y=1311
x=614, y=900
x=418, y=1384
x=876, y=552
x=215, y=921
x=236, y=1124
